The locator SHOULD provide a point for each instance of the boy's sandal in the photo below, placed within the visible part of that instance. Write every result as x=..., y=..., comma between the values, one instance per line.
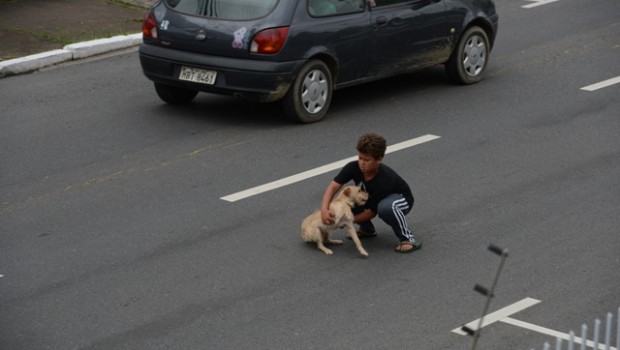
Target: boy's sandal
x=405, y=247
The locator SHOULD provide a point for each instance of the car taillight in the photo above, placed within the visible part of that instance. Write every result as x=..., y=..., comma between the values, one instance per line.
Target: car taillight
x=149, y=26
x=269, y=41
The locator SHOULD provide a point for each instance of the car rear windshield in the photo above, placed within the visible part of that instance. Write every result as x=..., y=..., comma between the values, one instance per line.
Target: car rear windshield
x=225, y=9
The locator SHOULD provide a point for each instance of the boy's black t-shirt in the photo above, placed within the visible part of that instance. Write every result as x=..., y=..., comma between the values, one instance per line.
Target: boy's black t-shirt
x=385, y=183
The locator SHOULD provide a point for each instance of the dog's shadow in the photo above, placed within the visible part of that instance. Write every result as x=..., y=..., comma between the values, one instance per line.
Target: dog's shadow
x=347, y=248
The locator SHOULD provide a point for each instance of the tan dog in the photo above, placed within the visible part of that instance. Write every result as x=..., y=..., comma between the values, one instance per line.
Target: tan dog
x=313, y=229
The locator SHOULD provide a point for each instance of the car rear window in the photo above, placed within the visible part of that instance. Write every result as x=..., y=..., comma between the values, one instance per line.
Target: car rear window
x=225, y=9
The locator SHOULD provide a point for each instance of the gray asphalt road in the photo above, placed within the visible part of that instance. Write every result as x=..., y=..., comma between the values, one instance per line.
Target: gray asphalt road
x=114, y=236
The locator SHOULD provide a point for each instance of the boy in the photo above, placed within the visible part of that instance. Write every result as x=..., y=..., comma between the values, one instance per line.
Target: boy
x=389, y=195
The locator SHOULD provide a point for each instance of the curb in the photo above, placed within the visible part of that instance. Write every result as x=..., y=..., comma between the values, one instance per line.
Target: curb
x=68, y=53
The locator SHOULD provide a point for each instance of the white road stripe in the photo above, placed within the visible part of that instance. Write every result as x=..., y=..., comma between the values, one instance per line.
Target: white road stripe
x=320, y=170
x=538, y=3
x=550, y=332
x=602, y=84
x=499, y=315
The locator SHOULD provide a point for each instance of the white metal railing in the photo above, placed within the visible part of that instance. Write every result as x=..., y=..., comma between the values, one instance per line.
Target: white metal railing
x=596, y=343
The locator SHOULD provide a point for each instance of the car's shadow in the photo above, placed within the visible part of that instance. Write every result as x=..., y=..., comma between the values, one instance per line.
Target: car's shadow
x=380, y=90
x=219, y=110
x=232, y=111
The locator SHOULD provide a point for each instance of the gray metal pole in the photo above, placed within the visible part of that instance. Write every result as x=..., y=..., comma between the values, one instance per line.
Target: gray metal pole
x=597, y=327
x=618, y=332
x=489, y=293
x=584, y=336
x=608, y=331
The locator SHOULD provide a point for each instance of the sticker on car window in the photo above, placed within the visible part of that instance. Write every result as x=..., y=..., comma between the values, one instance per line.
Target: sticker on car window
x=240, y=40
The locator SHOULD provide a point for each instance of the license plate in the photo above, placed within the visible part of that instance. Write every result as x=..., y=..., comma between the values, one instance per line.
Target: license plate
x=197, y=75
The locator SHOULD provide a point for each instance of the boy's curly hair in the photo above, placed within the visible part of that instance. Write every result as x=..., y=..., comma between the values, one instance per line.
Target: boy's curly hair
x=372, y=144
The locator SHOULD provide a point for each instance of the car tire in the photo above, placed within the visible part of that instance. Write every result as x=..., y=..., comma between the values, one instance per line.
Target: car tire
x=470, y=58
x=174, y=95
x=308, y=99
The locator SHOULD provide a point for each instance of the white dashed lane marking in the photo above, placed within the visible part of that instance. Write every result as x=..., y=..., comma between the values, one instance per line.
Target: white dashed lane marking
x=602, y=84
x=536, y=3
x=320, y=170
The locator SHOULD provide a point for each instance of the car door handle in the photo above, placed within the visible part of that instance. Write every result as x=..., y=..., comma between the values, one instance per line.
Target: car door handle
x=381, y=20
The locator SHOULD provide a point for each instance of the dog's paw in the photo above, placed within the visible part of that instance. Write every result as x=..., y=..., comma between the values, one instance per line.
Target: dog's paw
x=364, y=253
x=327, y=251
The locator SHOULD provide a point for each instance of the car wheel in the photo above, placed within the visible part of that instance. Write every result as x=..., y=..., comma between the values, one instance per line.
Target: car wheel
x=309, y=97
x=470, y=57
x=174, y=95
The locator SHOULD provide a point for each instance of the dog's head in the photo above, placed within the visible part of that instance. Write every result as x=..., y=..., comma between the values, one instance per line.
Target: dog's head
x=355, y=194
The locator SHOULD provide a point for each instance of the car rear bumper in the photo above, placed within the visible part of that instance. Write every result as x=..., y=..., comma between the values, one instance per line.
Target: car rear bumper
x=256, y=80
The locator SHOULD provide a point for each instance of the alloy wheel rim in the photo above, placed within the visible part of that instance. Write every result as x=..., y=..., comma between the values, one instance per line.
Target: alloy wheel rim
x=474, y=56
x=314, y=91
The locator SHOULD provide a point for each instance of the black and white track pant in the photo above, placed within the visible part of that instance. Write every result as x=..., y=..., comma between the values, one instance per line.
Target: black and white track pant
x=392, y=210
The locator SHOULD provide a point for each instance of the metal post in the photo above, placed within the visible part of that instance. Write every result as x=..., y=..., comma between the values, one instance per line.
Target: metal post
x=584, y=335
x=558, y=343
x=608, y=331
x=571, y=340
x=618, y=332
x=597, y=326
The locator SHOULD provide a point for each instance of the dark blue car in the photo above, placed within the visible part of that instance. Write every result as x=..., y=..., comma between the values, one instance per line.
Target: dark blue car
x=299, y=51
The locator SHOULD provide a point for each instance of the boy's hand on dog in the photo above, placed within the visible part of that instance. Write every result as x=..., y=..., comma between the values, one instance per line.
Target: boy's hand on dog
x=327, y=216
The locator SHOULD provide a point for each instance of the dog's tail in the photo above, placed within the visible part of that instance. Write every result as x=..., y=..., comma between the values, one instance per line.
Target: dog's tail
x=307, y=231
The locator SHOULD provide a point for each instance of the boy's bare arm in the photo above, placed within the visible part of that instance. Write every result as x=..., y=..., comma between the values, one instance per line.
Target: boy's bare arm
x=329, y=193
x=364, y=216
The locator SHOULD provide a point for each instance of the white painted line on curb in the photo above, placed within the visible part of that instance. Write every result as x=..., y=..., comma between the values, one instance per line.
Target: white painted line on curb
x=33, y=62
x=602, y=84
x=498, y=315
x=538, y=3
x=320, y=170
x=68, y=53
x=550, y=332
x=99, y=46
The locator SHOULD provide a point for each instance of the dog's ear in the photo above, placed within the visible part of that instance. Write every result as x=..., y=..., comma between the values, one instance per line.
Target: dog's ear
x=347, y=191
